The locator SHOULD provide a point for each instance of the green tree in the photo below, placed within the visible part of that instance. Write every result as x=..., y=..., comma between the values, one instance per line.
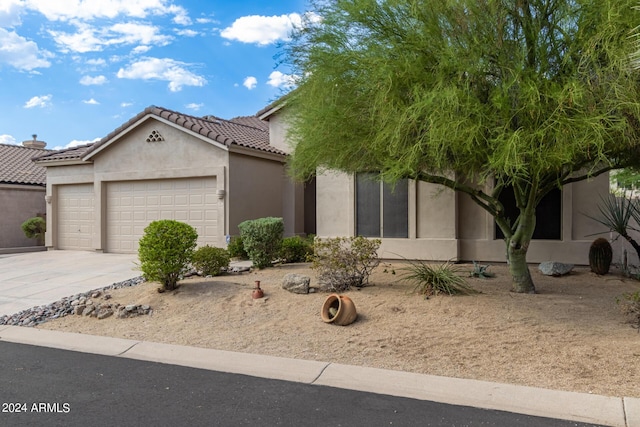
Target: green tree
x=528, y=94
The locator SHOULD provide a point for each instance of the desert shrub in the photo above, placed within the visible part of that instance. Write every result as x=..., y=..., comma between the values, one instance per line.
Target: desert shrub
x=34, y=227
x=629, y=304
x=296, y=249
x=262, y=239
x=481, y=271
x=235, y=248
x=165, y=251
x=436, y=279
x=210, y=260
x=343, y=262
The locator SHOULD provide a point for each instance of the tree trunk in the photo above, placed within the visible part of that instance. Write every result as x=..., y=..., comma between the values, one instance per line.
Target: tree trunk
x=517, y=247
x=520, y=275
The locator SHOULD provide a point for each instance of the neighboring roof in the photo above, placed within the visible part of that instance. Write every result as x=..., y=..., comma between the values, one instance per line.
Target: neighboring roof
x=249, y=132
x=16, y=166
x=253, y=121
x=73, y=153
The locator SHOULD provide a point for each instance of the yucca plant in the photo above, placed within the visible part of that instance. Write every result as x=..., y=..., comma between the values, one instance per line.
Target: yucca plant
x=615, y=214
x=436, y=279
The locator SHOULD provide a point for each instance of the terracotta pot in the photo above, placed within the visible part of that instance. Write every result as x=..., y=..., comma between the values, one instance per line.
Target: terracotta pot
x=338, y=309
x=257, y=292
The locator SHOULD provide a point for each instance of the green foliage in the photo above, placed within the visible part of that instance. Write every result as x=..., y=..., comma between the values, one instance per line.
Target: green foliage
x=236, y=248
x=436, y=279
x=615, y=213
x=343, y=262
x=480, y=271
x=629, y=304
x=262, y=239
x=534, y=95
x=296, y=249
x=600, y=256
x=210, y=260
x=34, y=227
x=165, y=251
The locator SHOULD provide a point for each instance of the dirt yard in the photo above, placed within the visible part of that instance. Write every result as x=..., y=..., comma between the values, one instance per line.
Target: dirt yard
x=570, y=336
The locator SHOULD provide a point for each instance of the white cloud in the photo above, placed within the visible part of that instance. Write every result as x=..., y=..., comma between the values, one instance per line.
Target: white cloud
x=91, y=102
x=206, y=21
x=278, y=79
x=140, y=49
x=8, y=139
x=187, y=33
x=162, y=69
x=39, y=101
x=250, y=82
x=76, y=143
x=93, y=9
x=194, y=106
x=89, y=81
x=10, y=12
x=91, y=39
x=262, y=30
x=96, y=62
x=126, y=104
x=21, y=53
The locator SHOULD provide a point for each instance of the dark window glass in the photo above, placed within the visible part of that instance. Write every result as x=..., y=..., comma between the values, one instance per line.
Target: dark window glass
x=386, y=219
x=395, y=210
x=367, y=205
x=548, y=214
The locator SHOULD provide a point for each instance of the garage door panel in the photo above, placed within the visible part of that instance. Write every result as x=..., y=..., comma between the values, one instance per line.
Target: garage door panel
x=131, y=206
x=75, y=216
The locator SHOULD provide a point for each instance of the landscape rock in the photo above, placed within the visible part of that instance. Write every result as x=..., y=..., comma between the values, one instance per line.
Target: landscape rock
x=74, y=304
x=296, y=283
x=553, y=268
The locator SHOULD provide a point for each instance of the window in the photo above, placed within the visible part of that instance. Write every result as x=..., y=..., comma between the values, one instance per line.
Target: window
x=382, y=210
x=548, y=214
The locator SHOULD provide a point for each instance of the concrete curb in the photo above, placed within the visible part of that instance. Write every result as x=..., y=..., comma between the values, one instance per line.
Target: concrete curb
x=581, y=407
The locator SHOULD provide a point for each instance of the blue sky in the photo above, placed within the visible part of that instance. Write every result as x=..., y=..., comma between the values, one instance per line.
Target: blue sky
x=71, y=71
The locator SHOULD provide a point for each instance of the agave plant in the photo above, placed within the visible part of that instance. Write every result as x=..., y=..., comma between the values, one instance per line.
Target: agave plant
x=615, y=213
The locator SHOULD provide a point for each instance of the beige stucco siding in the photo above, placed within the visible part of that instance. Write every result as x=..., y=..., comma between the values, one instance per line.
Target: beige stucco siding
x=335, y=204
x=17, y=204
x=444, y=225
x=255, y=189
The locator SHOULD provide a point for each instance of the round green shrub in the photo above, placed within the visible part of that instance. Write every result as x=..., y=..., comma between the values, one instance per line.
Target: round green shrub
x=262, y=239
x=165, y=251
x=296, y=249
x=210, y=260
x=236, y=248
x=34, y=227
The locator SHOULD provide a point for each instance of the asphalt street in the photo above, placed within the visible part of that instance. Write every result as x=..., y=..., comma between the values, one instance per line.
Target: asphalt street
x=44, y=386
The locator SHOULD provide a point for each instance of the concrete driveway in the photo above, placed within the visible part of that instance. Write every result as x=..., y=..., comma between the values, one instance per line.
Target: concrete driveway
x=37, y=278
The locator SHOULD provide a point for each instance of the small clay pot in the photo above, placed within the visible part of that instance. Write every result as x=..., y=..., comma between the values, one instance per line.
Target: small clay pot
x=257, y=292
x=339, y=310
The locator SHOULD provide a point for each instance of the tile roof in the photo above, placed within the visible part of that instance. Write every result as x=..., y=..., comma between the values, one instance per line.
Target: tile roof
x=73, y=153
x=248, y=131
x=222, y=131
x=16, y=166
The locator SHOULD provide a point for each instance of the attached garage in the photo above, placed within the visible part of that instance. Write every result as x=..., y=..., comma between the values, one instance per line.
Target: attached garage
x=132, y=205
x=207, y=172
x=75, y=216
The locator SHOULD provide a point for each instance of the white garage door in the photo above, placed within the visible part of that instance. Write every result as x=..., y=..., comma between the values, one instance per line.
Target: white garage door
x=75, y=216
x=132, y=205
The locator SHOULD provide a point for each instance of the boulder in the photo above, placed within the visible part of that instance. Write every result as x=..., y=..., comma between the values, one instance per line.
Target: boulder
x=553, y=268
x=296, y=283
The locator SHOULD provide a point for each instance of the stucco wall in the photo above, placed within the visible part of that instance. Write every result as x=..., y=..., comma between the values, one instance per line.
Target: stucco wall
x=131, y=157
x=278, y=131
x=19, y=203
x=444, y=225
x=255, y=190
